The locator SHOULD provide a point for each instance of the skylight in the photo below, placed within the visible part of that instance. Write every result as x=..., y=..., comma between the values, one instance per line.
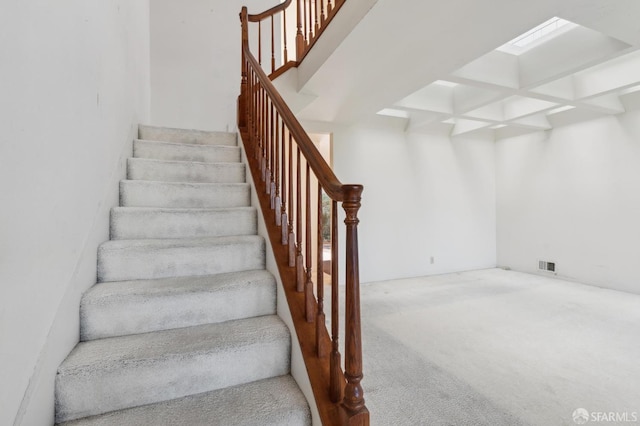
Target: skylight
x=536, y=35
x=538, y=32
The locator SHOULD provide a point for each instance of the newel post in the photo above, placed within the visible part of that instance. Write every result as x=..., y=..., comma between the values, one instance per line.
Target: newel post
x=242, y=99
x=353, y=399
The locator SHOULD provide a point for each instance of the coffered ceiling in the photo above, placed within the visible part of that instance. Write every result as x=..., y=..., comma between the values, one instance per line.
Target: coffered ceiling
x=556, y=73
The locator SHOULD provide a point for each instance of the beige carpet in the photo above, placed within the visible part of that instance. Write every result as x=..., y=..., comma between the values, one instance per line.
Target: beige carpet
x=495, y=347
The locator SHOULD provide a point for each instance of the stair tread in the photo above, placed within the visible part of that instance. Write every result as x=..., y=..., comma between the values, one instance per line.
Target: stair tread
x=116, y=352
x=187, y=162
x=139, y=306
x=187, y=184
x=194, y=210
x=163, y=150
x=187, y=145
x=147, y=193
x=115, y=373
x=162, y=243
x=163, y=222
x=205, y=137
x=273, y=401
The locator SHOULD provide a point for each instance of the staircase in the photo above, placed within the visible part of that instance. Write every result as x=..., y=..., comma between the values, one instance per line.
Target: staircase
x=181, y=327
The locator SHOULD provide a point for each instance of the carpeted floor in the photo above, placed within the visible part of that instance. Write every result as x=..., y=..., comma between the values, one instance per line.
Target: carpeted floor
x=496, y=347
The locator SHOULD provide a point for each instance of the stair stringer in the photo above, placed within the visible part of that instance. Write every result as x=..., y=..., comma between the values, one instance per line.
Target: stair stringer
x=298, y=368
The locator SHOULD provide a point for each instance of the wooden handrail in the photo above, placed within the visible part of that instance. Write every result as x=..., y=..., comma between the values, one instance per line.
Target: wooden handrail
x=283, y=158
x=312, y=17
x=269, y=12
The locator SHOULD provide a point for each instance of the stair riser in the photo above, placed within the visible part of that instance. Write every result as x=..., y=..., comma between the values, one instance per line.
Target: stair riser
x=186, y=136
x=159, y=194
x=178, y=152
x=139, y=224
x=166, y=171
x=99, y=390
x=134, y=263
x=141, y=313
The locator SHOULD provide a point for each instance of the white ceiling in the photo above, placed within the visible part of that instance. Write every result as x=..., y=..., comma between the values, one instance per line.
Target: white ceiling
x=572, y=73
x=391, y=59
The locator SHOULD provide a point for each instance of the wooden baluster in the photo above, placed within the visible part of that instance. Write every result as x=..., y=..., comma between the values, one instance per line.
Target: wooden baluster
x=263, y=138
x=273, y=46
x=284, y=29
x=299, y=260
x=320, y=317
x=254, y=113
x=329, y=7
x=353, y=398
x=336, y=383
x=322, y=15
x=308, y=289
x=275, y=190
x=283, y=180
x=256, y=87
x=317, y=15
x=259, y=126
x=260, y=42
x=268, y=174
x=310, y=22
x=291, y=238
x=304, y=13
x=242, y=103
x=272, y=155
x=299, y=34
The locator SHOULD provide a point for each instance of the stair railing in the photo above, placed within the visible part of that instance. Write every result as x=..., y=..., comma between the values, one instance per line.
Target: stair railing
x=283, y=158
x=312, y=17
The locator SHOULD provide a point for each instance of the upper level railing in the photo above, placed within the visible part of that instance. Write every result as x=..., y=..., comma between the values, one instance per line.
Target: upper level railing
x=292, y=24
x=296, y=179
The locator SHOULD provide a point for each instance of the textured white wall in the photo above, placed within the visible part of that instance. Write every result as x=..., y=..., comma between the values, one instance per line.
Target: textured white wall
x=195, y=62
x=424, y=196
x=571, y=196
x=74, y=83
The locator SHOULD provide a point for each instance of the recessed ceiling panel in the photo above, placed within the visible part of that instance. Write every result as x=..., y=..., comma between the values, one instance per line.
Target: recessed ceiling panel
x=567, y=53
x=434, y=97
x=497, y=68
x=519, y=106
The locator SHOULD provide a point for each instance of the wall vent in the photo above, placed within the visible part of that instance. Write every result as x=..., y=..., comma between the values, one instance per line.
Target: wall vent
x=546, y=266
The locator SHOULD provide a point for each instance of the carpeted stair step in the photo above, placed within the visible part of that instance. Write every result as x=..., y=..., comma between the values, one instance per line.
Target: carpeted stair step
x=123, y=260
x=184, y=171
x=154, y=222
x=275, y=401
x=122, y=372
x=129, y=307
x=140, y=193
x=187, y=136
x=185, y=152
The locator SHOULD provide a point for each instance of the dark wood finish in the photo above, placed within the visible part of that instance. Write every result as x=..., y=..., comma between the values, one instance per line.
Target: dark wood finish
x=309, y=298
x=336, y=382
x=320, y=318
x=267, y=125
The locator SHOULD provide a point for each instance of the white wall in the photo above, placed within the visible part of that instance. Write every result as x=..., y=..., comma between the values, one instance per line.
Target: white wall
x=571, y=196
x=74, y=83
x=424, y=196
x=195, y=61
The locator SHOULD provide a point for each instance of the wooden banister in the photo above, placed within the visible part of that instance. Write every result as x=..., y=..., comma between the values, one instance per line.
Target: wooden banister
x=283, y=156
x=312, y=17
